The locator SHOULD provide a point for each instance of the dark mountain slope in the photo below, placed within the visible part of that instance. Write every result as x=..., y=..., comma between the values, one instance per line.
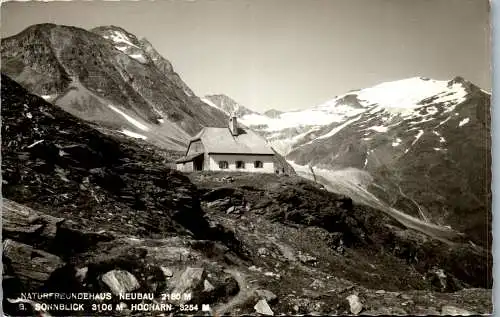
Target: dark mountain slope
x=310, y=232
x=108, y=77
x=54, y=162
x=76, y=200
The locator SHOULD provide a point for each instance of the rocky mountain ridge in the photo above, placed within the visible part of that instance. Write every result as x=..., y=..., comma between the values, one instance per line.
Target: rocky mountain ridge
x=432, y=162
x=109, y=77
x=289, y=130
x=228, y=105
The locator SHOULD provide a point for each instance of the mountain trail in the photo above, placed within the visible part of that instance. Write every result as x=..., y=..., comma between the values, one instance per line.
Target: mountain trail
x=244, y=294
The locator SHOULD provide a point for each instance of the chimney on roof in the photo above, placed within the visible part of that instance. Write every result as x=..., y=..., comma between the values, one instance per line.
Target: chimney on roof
x=233, y=124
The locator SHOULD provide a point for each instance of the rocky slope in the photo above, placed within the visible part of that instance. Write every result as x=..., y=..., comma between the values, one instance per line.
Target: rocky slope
x=51, y=158
x=92, y=214
x=228, y=105
x=313, y=248
x=68, y=188
x=109, y=77
x=273, y=113
x=418, y=145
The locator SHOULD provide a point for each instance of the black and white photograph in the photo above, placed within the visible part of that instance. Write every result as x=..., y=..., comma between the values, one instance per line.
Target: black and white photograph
x=246, y=157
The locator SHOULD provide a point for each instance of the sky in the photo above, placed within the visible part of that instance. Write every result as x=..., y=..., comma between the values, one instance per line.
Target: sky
x=290, y=54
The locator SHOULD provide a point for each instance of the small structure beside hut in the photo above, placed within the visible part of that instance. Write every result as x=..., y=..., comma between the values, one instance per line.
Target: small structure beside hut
x=227, y=149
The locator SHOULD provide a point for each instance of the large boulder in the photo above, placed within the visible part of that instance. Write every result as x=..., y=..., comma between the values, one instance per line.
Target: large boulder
x=190, y=280
x=24, y=224
x=262, y=307
x=41, y=264
x=355, y=304
x=120, y=281
x=455, y=311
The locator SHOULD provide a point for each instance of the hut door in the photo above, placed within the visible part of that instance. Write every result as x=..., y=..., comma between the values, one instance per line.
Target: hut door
x=198, y=163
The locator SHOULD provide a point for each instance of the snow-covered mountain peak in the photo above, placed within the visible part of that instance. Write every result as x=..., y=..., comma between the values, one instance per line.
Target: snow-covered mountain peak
x=123, y=41
x=402, y=98
x=408, y=93
x=384, y=106
x=117, y=35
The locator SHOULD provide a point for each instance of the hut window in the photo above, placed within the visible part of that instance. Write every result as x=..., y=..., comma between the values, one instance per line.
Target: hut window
x=258, y=164
x=240, y=164
x=223, y=165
